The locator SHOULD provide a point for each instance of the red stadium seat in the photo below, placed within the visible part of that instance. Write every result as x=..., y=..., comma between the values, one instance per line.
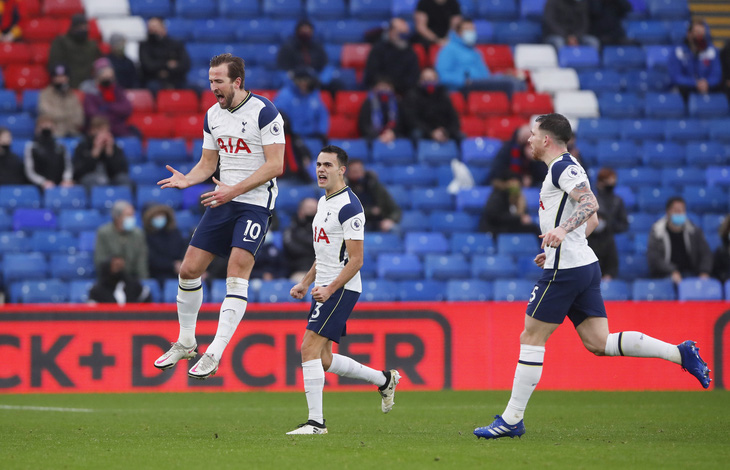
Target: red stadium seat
x=433, y=53
x=42, y=29
x=354, y=56
x=349, y=103
x=457, y=99
x=14, y=53
x=189, y=127
x=343, y=127
x=39, y=52
x=473, y=126
x=29, y=8
x=526, y=104
x=177, y=101
x=142, y=100
x=25, y=77
x=487, y=103
x=62, y=7
x=497, y=57
x=268, y=94
x=503, y=127
x=152, y=126
x=329, y=103
x=423, y=59
x=207, y=99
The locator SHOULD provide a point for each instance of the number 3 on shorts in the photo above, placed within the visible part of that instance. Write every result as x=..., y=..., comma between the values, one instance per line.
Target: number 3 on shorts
x=315, y=313
x=534, y=293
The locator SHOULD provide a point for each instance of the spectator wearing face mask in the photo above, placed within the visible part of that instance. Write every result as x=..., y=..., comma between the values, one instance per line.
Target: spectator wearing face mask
x=76, y=51
x=506, y=210
x=382, y=213
x=122, y=238
x=47, y=162
x=165, y=241
x=13, y=170
x=302, y=103
x=380, y=114
x=104, y=97
x=164, y=61
x=695, y=65
x=566, y=23
x=98, y=160
x=393, y=58
x=677, y=248
x=124, y=69
x=59, y=102
x=302, y=50
x=297, y=239
x=612, y=219
x=428, y=112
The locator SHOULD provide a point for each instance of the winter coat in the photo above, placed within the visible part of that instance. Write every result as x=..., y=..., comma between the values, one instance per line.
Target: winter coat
x=659, y=249
x=456, y=62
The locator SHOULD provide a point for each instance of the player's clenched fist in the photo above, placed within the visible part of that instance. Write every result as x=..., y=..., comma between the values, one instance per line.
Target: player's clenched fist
x=298, y=291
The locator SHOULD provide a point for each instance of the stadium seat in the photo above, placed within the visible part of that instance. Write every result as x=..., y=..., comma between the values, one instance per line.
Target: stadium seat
x=104, y=197
x=554, y=80
x=623, y=57
x=518, y=32
x=379, y=290
x=485, y=31
x=216, y=30
x=22, y=266
x=195, y=9
x=276, y=291
x=620, y=105
x=695, y=288
x=345, y=31
x=479, y=151
x=78, y=290
x=403, y=8
x=142, y=100
x=511, y=290
x=642, y=81
x=44, y=241
x=473, y=200
x=8, y=101
x=399, y=267
x=617, y=154
x=615, y=290
x=517, y=244
x=6, y=221
x=414, y=221
x=14, y=53
x=432, y=199
x=498, y=9
x=472, y=126
x=711, y=105
x=664, y=105
x=527, y=268
x=398, y=152
x=421, y=291
x=434, y=153
x=177, y=101
x=21, y=125
x=147, y=173
x=414, y=176
x=503, y=128
x=487, y=103
x=683, y=130
x=42, y=29
x=22, y=196
x=355, y=148
x=654, y=199
x=653, y=289
x=642, y=129
x=453, y=222
x=325, y=9
x=680, y=177
x=378, y=243
x=668, y=9
x=535, y=56
x=594, y=129
x=150, y=8
x=426, y=242
x=78, y=220
x=355, y=56
x=663, y=154
x=132, y=147
x=703, y=199
x=641, y=221
x=492, y=267
x=527, y=103
x=717, y=129
x=162, y=151
x=445, y=267
x=70, y=267
x=471, y=244
x=718, y=176
x=578, y=57
x=632, y=266
x=498, y=57
x=577, y=104
x=47, y=291
x=152, y=126
x=647, y=32
x=14, y=242
x=349, y=102
x=34, y=219
x=469, y=290
x=657, y=57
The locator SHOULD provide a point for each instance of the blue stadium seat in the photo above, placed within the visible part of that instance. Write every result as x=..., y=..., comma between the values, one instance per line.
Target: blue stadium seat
x=664, y=105
x=426, y=242
x=624, y=243
x=398, y=152
x=711, y=222
x=34, y=219
x=453, y=222
x=416, y=176
x=617, y=154
x=44, y=241
x=603, y=128
x=632, y=266
x=683, y=176
x=6, y=221
x=153, y=287
x=243, y=9
x=642, y=129
x=695, y=288
x=653, y=289
x=473, y=200
x=527, y=268
x=485, y=31
x=615, y=290
x=200, y=53
x=517, y=244
x=469, y=290
x=214, y=30
x=132, y=147
x=379, y=290
x=512, y=290
x=711, y=105
x=22, y=266
x=643, y=81
x=78, y=290
x=378, y=243
x=623, y=57
x=370, y=9
x=620, y=105
x=474, y=243
x=480, y=151
x=578, y=57
x=627, y=194
x=683, y=130
x=21, y=125
x=432, y=199
x=180, y=28
x=648, y=32
x=8, y=102
x=404, y=8
x=663, y=154
x=399, y=266
x=641, y=241
x=196, y=9
x=70, y=267
x=164, y=151
x=518, y=32
x=657, y=57
x=355, y=148
x=42, y=292
x=400, y=195
x=668, y=9
x=435, y=153
x=149, y=195
x=150, y=8
x=641, y=221
x=717, y=129
x=654, y=199
x=532, y=9
x=23, y=196
x=727, y=289
x=497, y=9
x=493, y=267
x=345, y=30
x=445, y=267
x=104, y=197
x=414, y=221
x=29, y=102
x=87, y=240
x=77, y=220
x=718, y=176
x=325, y=9
x=421, y=291
x=13, y=242
x=703, y=199
x=276, y=291
x=290, y=196
x=262, y=30
x=600, y=80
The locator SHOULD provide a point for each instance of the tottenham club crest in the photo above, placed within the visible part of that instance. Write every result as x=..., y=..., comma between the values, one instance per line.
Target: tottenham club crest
x=243, y=127
x=276, y=128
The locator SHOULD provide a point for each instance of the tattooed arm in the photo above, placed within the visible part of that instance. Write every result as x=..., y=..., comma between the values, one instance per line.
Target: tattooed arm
x=587, y=206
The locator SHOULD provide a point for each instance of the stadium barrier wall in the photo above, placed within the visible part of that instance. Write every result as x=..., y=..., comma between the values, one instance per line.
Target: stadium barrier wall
x=462, y=346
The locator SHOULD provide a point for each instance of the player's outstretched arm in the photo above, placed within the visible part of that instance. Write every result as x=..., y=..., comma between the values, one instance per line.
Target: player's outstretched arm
x=355, y=259
x=200, y=172
x=587, y=207
x=300, y=289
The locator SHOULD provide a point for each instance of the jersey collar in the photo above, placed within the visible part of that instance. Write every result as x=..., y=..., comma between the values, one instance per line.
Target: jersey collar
x=562, y=155
x=327, y=198
x=245, y=100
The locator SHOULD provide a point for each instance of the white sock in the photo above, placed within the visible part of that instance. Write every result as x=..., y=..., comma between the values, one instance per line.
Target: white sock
x=232, y=310
x=636, y=344
x=527, y=375
x=313, y=385
x=348, y=367
x=189, y=300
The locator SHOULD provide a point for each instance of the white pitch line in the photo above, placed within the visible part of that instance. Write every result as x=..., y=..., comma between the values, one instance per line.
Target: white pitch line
x=46, y=408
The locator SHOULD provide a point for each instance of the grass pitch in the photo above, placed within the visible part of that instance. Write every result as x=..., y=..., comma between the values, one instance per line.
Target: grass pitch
x=424, y=430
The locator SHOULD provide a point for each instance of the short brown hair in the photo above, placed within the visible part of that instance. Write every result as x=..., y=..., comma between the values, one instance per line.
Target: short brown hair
x=557, y=125
x=236, y=66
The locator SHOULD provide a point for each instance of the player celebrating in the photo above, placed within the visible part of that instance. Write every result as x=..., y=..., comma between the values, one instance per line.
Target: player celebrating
x=339, y=231
x=571, y=281
x=246, y=133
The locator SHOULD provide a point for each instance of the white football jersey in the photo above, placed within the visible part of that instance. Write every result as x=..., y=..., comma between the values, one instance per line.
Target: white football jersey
x=339, y=217
x=239, y=134
x=564, y=174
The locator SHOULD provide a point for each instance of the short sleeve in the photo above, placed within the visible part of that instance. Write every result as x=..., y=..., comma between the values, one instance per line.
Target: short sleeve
x=570, y=176
x=208, y=140
x=352, y=218
x=273, y=132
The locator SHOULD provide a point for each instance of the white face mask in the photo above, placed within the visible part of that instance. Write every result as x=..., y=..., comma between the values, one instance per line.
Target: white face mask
x=129, y=223
x=469, y=37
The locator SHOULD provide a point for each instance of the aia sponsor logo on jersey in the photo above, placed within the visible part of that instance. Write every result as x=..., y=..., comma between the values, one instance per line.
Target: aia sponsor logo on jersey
x=320, y=236
x=542, y=206
x=230, y=147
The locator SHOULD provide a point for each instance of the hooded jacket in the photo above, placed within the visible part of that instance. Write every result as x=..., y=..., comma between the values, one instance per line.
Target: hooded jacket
x=457, y=62
x=659, y=249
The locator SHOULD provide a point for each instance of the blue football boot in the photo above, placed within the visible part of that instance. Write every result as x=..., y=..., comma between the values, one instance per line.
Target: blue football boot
x=693, y=363
x=500, y=429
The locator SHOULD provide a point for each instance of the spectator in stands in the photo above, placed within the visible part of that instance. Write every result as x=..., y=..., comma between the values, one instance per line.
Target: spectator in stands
x=382, y=213
x=59, y=102
x=13, y=170
x=393, y=58
x=124, y=68
x=122, y=238
x=677, y=248
x=165, y=241
x=76, y=51
x=302, y=102
x=298, y=248
x=104, y=97
x=115, y=286
x=721, y=259
x=612, y=219
x=428, y=112
x=506, y=210
x=98, y=160
x=302, y=50
x=605, y=20
x=164, y=61
x=566, y=23
x=9, y=18
x=695, y=65
x=434, y=19
x=47, y=162
x=297, y=157
x=380, y=115
x=515, y=158
x=458, y=63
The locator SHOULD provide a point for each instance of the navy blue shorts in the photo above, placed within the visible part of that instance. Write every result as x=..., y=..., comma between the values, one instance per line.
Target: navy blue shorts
x=233, y=224
x=328, y=319
x=575, y=292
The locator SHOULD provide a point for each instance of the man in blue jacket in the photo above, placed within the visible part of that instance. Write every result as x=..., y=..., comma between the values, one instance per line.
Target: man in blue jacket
x=302, y=102
x=695, y=65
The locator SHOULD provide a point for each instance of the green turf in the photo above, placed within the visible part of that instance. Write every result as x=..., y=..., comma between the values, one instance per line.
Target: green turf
x=425, y=430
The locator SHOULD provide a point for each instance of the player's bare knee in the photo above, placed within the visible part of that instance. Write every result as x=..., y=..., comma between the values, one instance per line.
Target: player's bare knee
x=595, y=349
x=187, y=271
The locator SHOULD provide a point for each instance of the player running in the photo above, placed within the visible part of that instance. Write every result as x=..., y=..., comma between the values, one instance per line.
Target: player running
x=571, y=281
x=246, y=133
x=339, y=231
